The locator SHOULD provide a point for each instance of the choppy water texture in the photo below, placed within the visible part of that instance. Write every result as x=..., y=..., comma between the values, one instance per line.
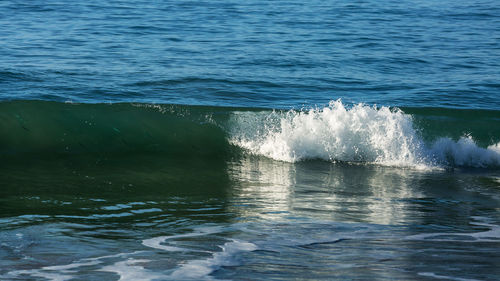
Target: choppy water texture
x=205, y=140
x=253, y=53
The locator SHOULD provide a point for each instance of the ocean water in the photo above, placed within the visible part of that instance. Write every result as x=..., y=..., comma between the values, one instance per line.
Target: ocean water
x=249, y=140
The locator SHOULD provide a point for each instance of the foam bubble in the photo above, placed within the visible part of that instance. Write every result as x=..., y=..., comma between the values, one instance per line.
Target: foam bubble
x=360, y=133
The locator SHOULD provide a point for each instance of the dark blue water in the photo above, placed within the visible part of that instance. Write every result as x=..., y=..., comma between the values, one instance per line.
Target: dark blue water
x=110, y=169
x=252, y=53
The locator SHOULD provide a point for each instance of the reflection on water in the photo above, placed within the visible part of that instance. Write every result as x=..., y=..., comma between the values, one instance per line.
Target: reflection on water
x=271, y=190
x=389, y=189
x=262, y=187
x=364, y=221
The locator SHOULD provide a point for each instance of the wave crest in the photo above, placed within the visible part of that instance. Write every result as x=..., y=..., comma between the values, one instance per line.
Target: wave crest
x=360, y=133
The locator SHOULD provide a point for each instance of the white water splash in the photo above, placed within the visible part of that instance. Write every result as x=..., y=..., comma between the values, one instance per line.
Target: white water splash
x=358, y=134
x=465, y=152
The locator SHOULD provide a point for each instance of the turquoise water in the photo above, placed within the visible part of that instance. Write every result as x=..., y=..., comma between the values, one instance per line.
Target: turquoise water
x=220, y=140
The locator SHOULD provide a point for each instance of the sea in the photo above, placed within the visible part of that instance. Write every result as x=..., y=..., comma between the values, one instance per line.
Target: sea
x=249, y=140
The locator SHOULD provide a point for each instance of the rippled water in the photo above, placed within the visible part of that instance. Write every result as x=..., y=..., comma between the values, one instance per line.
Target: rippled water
x=253, y=53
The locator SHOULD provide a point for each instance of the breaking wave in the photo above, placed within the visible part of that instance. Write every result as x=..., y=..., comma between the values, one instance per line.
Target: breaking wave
x=338, y=132
x=360, y=133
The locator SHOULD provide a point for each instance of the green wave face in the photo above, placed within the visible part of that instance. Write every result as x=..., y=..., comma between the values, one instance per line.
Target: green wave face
x=57, y=129
x=432, y=123
x=109, y=150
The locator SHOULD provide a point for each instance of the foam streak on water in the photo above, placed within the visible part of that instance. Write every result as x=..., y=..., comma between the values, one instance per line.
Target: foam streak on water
x=200, y=269
x=360, y=133
x=156, y=241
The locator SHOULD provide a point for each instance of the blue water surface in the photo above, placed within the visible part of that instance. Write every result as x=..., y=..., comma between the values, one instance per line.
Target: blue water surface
x=277, y=54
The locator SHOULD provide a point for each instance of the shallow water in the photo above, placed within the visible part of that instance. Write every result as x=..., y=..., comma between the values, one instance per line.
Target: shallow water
x=263, y=219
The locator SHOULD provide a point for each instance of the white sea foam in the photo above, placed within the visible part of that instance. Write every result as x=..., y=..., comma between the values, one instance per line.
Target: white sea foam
x=200, y=269
x=491, y=235
x=465, y=152
x=156, y=242
x=436, y=276
x=360, y=133
x=495, y=147
x=63, y=272
x=132, y=269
